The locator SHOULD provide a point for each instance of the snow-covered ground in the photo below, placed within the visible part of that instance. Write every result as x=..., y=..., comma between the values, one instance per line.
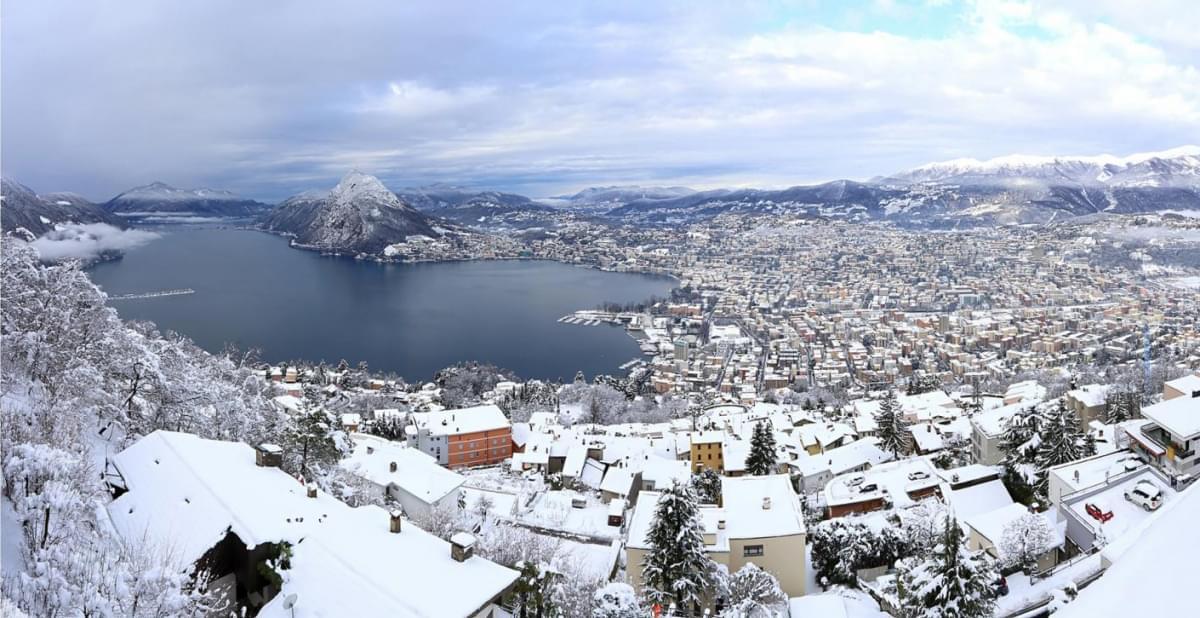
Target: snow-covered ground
x=10, y=539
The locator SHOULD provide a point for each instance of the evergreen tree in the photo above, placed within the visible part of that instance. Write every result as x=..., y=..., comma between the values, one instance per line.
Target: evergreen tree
x=707, y=485
x=1122, y=406
x=1059, y=441
x=953, y=582
x=315, y=439
x=892, y=432
x=762, y=459
x=676, y=568
x=531, y=598
x=1018, y=431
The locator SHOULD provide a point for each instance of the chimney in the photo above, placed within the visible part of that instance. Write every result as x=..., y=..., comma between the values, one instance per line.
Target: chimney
x=392, y=467
x=462, y=546
x=767, y=503
x=268, y=456
x=720, y=524
x=370, y=450
x=394, y=523
x=312, y=490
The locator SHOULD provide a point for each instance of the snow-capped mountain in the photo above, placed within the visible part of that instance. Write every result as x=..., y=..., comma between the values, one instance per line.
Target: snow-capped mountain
x=606, y=198
x=476, y=208
x=1011, y=189
x=360, y=215
x=22, y=208
x=1170, y=168
x=163, y=199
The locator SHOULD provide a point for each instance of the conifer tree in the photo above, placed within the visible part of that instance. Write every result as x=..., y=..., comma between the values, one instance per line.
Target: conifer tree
x=953, y=582
x=892, y=433
x=676, y=568
x=762, y=458
x=707, y=486
x=1060, y=441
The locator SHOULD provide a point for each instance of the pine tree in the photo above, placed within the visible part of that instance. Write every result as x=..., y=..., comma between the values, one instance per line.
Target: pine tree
x=1018, y=431
x=892, y=433
x=676, y=568
x=1122, y=406
x=707, y=485
x=1059, y=441
x=953, y=582
x=762, y=459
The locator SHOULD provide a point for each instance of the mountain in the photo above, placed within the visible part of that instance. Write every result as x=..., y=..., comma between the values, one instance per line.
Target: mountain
x=40, y=213
x=838, y=199
x=478, y=208
x=162, y=199
x=607, y=198
x=1178, y=167
x=1015, y=189
x=359, y=215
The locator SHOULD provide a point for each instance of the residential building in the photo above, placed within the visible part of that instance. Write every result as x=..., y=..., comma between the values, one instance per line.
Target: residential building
x=405, y=474
x=708, y=451
x=468, y=437
x=760, y=521
x=1169, y=434
x=228, y=510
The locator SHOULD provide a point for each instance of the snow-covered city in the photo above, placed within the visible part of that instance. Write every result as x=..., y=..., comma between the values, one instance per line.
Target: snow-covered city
x=602, y=310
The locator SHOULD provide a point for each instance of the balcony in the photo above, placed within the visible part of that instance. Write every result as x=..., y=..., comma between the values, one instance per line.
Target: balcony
x=1162, y=438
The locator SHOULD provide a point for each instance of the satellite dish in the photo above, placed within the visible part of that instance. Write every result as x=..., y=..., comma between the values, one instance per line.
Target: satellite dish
x=289, y=601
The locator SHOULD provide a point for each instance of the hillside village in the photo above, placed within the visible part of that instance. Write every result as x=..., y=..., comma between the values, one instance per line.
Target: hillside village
x=835, y=479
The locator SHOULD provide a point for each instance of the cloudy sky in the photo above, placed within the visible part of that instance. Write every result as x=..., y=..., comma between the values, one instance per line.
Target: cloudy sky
x=272, y=97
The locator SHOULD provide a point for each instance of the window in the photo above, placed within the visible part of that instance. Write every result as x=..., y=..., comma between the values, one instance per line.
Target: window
x=750, y=551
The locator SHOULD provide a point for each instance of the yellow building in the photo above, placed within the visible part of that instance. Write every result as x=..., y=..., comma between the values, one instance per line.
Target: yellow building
x=707, y=451
x=761, y=522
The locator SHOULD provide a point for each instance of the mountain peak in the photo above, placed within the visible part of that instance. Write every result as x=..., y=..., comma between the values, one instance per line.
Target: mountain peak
x=356, y=186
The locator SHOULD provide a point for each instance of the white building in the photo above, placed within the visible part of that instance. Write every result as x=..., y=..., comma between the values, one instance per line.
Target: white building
x=407, y=475
x=227, y=508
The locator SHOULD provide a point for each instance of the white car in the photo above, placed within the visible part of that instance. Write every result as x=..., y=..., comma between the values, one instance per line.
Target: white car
x=1145, y=494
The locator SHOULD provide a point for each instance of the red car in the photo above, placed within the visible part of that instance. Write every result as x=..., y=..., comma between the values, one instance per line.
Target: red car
x=1097, y=513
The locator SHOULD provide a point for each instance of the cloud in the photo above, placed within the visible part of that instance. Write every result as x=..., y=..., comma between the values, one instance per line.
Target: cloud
x=88, y=241
x=545, y=98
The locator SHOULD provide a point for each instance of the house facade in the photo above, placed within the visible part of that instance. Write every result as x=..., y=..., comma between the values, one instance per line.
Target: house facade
x=469, y=437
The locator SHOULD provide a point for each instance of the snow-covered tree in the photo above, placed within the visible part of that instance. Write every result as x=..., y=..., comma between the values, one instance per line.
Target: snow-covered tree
x=1059, y=441
x=952, y=582
x=762, y=458
x=532, y=592
x=892, y=431
x=1122, y=406
x=707, y=485
x=1025, y=539
x=1019, y=430
x=315, y=441
x=676, y=568
x=616, y=600
x=753, y=593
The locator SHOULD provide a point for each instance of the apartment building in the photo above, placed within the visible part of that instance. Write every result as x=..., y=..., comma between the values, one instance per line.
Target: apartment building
x=463, y=438
x=760, y=521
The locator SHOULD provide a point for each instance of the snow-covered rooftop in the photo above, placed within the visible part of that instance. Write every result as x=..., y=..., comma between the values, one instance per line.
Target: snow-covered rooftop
x=465, y=420
x=417, y=473
x=746, y=518
x=186, y=493
x=1180, y=416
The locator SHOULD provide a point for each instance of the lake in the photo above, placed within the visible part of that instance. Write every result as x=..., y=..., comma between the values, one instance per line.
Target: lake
x=253, y=290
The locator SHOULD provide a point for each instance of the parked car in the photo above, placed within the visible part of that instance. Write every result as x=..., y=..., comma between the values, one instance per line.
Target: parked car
x=855, y=481
x=1145, y=494
x=868, y=488
x=918, y=475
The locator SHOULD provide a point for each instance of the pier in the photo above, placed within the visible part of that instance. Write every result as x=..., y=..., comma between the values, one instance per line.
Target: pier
x=158, y=294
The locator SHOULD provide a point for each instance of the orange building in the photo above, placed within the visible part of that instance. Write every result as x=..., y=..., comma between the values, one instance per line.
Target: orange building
x=468, y=437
